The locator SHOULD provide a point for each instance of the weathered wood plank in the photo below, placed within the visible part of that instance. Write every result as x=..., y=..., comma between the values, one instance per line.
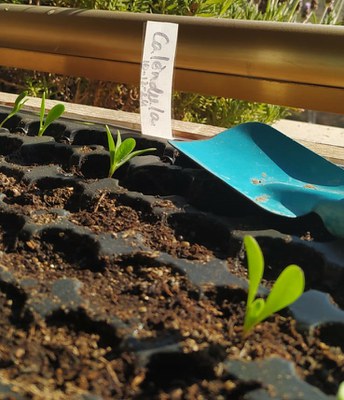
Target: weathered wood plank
x=296, y=65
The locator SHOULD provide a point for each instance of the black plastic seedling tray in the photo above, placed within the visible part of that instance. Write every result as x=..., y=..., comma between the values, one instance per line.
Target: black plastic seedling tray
x=134, y=287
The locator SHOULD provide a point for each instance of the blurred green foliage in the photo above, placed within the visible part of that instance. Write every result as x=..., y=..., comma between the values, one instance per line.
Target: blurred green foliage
x=187, y=106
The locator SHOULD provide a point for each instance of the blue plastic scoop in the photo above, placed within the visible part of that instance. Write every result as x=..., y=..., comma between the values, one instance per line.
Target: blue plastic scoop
x=274, y=171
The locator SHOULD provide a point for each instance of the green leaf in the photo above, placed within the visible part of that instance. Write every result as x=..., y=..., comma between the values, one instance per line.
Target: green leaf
x=111, y=142
x=255, y=261
x=119, y=139
x=53, y=115
x=18, y=104
x=340, y=393
x=140, y=152
x=20, y=101
x=125, y=148
x=41, y=114
x=135, y=153
x=112, y=150
x=288, y=287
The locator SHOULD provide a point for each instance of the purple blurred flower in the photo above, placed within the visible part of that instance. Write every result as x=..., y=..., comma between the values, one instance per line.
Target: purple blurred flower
x=306, y=9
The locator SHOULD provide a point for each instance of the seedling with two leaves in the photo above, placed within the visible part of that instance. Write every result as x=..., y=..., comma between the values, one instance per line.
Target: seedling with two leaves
x=18, y=104
x=121, y=152
x=288, y=287
x=52, y=115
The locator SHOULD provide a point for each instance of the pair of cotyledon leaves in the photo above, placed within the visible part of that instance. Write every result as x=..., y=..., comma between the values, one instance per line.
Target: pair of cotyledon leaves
x=288, y=287
x=121, y=152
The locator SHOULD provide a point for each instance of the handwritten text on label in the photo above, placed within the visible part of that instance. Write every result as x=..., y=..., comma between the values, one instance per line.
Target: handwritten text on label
x=156, y=78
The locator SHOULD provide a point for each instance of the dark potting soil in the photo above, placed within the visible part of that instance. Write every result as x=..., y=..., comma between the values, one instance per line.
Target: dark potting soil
x=134, y=287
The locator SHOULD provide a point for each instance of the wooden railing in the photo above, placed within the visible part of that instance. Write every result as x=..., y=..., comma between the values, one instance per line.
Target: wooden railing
x=287, y=64
x=298, y=65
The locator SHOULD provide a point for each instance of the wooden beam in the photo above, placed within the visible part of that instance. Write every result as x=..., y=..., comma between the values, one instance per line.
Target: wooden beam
x=290, y=64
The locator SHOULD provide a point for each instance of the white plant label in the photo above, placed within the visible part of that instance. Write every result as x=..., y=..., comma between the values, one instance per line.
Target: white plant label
x=156, y=78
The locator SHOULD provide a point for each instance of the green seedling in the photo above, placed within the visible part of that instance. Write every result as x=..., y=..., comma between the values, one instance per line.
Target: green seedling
x=53, y=115
x=288, y=287
x=122, y=151
x=18, y=104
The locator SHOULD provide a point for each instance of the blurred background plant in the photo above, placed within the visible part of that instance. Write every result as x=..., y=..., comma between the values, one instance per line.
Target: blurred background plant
x=186, y=106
